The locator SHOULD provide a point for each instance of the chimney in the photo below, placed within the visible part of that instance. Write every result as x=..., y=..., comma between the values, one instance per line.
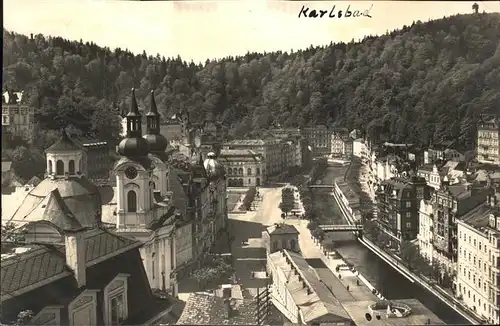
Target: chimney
x=75, y=255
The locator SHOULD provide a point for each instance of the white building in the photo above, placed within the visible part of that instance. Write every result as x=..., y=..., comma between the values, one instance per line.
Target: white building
x=425, y=231
x=143, y=207
x=478, y=275
x=359, y=148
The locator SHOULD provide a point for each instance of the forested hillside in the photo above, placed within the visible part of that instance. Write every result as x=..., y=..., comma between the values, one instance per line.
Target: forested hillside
x=419, y=84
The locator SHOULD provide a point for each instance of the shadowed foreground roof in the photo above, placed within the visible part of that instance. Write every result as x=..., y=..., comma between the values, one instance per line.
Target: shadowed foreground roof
x=42, y=262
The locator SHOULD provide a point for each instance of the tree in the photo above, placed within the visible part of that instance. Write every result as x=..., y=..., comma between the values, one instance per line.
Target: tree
x=419, y=84
x=312, y=225
x=287, y=200
x=28, y=162
x=409, y=253
x=10, y=235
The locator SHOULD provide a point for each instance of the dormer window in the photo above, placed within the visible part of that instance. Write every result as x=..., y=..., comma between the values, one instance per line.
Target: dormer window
x=116, y=300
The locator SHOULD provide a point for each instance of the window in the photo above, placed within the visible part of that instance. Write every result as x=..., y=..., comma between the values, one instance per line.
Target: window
x=49, y=170
x=115, y=300
x=408, y=214
x=132, y=201
x=71, y=167
x=408, y=204
x=117, y=309
x=408, y=225
x=59, y=167
x=249, y=171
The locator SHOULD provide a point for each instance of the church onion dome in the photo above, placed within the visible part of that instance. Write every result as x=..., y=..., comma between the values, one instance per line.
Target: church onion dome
x=156, y=141
x=212, y=166
x=133, y=145
x=64, y=144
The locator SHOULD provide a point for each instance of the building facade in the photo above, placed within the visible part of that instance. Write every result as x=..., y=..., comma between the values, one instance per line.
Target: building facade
x=319, y=138
x=18, y=118
x=244, y=168
x=488, y=140
x=478, y=275
x=281, y=236
x=398, y=202
x=143, y=209
x=425, y=230
x=342, y=144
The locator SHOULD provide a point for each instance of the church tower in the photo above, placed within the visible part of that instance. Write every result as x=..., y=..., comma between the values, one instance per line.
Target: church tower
x=157, y=145
x=135, y=194
x=65, y=158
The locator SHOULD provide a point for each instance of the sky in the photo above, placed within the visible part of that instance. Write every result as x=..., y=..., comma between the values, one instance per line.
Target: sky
x=197, y=30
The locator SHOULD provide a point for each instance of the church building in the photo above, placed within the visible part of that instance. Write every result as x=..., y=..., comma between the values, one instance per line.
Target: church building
x=144, y=210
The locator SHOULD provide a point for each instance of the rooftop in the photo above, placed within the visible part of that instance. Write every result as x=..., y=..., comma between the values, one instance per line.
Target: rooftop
x=311, y=296
x=21, y=272
x=479, y=217
x=281, y=228
x=419, y=314
x=208, y=309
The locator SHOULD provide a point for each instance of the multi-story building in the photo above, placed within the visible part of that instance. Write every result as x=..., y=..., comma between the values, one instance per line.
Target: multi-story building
x=450, y=203
x=425, y=230
x=360, y=148
x=488, y=140
x=434, y=174
x=18, y=118
x=436, y=151
x=398, y=202
x=270, y=149
x=319, y=137
x=244, y=168
x=342, y=144
x=478, y=274
x=98, y=158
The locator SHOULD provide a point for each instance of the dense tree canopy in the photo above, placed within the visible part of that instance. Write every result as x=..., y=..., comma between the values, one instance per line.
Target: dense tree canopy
x=419, y=84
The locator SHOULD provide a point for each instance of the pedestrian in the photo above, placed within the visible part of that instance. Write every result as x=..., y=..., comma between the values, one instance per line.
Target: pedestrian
x=357, y=282
x=348, y=288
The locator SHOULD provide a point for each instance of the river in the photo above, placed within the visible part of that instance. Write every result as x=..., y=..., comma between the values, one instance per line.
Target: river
x=383, y=277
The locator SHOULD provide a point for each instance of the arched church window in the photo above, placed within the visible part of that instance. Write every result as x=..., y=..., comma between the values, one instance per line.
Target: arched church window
x=71, y=167
x=49, y=167
x=249, y=171
x=132, y=201
x=59, y=167
x=229, y=171
x=240, y=171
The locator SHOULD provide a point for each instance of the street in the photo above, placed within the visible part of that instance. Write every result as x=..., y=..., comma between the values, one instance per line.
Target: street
x=249, y=255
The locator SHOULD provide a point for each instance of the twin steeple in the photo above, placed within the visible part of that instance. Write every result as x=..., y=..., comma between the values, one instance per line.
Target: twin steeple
x=135, y=144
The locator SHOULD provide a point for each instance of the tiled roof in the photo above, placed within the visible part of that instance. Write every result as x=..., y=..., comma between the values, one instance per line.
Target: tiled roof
x=208, y=309
x=46, y=261
x=282, y=229
x=65, y=143
x=32, y=267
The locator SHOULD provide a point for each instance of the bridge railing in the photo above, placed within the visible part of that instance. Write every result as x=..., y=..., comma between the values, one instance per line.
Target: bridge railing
x=341, y=227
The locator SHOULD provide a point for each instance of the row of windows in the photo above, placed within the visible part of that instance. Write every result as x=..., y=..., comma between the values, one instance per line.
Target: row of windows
x=15, y=110
x=239, y=171
x=60, y=168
